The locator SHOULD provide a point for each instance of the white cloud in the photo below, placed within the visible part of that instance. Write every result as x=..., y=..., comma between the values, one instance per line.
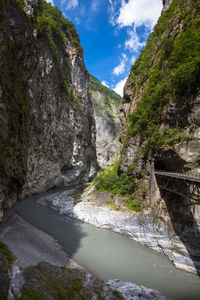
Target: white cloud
x=124, y=56
x=139, y=12
x=50, y=1
x=133, y=59
x=113, y=12
x=120, y=86
x=70, y=3
x=121, y=67
x=105, y=83
x=133, y=43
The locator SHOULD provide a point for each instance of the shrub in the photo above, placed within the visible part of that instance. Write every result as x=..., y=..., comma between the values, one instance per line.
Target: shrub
x=109, y=180
x=52, y=25
x=133, y=205
x=125, y=185
x=7, y=253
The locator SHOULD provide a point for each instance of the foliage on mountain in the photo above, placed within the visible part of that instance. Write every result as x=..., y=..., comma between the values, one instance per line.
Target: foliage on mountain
x=109, y=95
x=168, y=70
x=51, y=24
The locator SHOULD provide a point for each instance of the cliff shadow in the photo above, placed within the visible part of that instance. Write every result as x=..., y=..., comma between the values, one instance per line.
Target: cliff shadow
x=181, y=213
x=66, y=231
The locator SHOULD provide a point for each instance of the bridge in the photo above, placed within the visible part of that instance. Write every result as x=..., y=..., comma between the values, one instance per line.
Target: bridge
x=186, y=185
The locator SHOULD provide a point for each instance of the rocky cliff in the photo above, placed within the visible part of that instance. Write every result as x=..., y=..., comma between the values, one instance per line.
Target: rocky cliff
x=162, y=113
x=47, y=132
x=107, y=119
x=166, y=4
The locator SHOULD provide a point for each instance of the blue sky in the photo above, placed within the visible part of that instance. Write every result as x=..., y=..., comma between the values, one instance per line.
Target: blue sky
x=112, y=33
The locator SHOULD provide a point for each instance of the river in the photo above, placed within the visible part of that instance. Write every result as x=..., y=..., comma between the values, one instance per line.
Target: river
x=109, y=255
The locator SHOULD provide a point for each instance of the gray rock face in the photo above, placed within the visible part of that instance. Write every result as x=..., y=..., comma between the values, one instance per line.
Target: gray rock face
x=47, y=131
x=107, y=128
x=106, y=114
x=166, y=4
x=180, y=214
x=132, y=291
x=16, y=283
x=61, y=149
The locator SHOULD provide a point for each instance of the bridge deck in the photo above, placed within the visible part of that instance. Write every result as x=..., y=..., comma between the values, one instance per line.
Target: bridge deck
x=184, y=176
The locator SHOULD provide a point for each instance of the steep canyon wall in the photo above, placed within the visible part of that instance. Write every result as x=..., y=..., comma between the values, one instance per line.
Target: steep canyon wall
x=106, y=105
x=162, y=113
x=47, y=132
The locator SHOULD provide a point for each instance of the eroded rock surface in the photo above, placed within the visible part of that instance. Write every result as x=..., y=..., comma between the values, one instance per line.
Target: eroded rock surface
x=141, y=227
x=161, y=132
x=47, y=135
x=54, y=280
x=106, y=105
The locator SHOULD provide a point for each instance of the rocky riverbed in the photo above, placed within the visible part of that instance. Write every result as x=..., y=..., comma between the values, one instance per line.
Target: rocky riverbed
x=138, y=226
x=41, y=260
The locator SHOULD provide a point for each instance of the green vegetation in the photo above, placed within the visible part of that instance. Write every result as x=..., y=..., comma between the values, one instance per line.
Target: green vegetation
x=109, y=95
x=168, y=137
x=168, y=69
x=6, y=261
x=58, y=32
x=122, y=184
x=109, y=180
x=15, y=106
x=46, y=282
x=19, y=2
x=108, y=104
x=7, y=253
x=3, y=295
x=133, y=205
x=74, y=102
x=15, y=109
x=52, y=25
x=4, y=3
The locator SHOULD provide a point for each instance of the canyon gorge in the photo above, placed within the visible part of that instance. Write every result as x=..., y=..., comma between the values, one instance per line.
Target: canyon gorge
x=69, y=143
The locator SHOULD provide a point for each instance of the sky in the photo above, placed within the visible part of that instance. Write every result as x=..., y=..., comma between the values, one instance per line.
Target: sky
x=112, y=34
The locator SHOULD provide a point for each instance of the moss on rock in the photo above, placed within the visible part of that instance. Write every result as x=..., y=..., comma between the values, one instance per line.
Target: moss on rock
x=47, y=282
x=167, y=71
x=6, y=260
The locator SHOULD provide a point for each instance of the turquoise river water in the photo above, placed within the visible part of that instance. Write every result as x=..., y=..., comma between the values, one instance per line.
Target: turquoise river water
x=109, y=255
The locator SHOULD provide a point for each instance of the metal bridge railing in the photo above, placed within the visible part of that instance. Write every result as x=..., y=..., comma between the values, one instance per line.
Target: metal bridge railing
x=188, y=174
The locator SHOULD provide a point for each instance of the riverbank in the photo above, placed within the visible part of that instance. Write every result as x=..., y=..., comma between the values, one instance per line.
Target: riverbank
x=104, y=253
x=138, y=226
x=32, y=246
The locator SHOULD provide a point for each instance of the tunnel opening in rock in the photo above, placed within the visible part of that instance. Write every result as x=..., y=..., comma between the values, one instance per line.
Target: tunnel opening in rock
x=169, y=162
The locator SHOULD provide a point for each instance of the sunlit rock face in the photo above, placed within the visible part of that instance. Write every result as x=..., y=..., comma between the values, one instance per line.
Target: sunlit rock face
x=47, y=132
x=62, y=145
x=106, y=105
